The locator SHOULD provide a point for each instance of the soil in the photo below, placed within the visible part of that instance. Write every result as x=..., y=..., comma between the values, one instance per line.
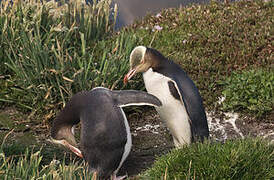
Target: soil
x=151, y=138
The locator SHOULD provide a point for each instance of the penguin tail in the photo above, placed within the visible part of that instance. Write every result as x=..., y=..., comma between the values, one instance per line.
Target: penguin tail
x=135, y=98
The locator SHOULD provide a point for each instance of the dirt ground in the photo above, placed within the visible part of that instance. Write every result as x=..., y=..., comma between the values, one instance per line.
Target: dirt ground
x=150, y=136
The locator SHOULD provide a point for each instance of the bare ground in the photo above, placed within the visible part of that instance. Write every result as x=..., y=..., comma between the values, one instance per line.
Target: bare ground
x=150, y=136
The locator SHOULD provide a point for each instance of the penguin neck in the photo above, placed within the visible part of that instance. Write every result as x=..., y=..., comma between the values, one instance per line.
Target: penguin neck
x=63, y=125
x=157, y=60
x=68, y=117
x=154, y=83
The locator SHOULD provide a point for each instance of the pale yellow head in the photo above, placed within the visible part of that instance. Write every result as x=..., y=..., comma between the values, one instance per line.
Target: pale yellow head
x=139, y=62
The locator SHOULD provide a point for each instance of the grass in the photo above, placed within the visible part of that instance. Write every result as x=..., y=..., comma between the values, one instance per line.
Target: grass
x=39, y=161
x=65, y=48
x=59, y=51
x=249, y=91
x=30, y=165
x=235, y=159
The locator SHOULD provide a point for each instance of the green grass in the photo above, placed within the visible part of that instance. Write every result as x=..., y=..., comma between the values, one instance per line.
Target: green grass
x=29, y=165
x=60, y=50
x=249, y=91
x=235, y=159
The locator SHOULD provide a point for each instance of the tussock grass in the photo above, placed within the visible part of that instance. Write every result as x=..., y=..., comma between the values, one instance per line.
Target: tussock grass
x=60, y=49
x=235, y=159
x=29, y=166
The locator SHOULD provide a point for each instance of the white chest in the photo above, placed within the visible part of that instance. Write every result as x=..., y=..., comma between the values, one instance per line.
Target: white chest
x=157, y=84
x=172, y=111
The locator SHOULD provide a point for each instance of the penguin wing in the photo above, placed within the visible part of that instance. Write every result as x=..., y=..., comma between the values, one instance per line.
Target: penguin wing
x=190, y=96
x=133, y=97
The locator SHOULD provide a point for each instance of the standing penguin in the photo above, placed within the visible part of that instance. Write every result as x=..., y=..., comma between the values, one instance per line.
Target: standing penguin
x=182, y=108
x=105, y=139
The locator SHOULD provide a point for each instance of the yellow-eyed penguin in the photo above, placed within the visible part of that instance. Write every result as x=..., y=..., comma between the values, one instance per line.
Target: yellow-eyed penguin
x=105, y=139
x=182, y=108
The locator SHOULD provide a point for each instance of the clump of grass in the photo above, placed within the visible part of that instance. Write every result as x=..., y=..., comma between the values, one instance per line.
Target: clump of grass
x=250, y=91
x=60, y=49
x=28, y=165
x=50, y=23
x=235, y=159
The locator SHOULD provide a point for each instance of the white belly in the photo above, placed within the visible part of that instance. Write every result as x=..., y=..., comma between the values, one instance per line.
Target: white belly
x=172, y=111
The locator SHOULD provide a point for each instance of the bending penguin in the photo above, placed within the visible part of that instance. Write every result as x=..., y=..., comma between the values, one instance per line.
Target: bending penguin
x=182, y=109
x=105, y=139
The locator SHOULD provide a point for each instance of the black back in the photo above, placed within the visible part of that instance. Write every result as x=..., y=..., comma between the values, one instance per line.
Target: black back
x=103, y=130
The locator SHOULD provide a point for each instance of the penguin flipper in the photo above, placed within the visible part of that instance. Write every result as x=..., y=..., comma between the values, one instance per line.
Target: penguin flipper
x=133, y=97
x=192, y=100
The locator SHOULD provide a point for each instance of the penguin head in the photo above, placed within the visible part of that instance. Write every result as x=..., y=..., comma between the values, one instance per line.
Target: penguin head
x=64, y=135
x=139, y=62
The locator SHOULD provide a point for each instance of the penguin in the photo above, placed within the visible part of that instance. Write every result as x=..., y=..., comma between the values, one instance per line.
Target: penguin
x=182, y=107
x=105, y=139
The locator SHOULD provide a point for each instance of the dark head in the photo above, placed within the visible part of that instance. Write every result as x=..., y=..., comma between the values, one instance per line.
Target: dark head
x=62, y=131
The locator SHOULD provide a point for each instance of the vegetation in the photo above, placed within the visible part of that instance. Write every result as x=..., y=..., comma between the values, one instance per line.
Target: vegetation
x=58, y=52
x=29, y=166
x=250, y=91
x=63, y=49
x=237, y=159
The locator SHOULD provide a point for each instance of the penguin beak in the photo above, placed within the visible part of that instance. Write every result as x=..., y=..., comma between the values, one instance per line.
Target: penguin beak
x=129, y=75
x=69, y=146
